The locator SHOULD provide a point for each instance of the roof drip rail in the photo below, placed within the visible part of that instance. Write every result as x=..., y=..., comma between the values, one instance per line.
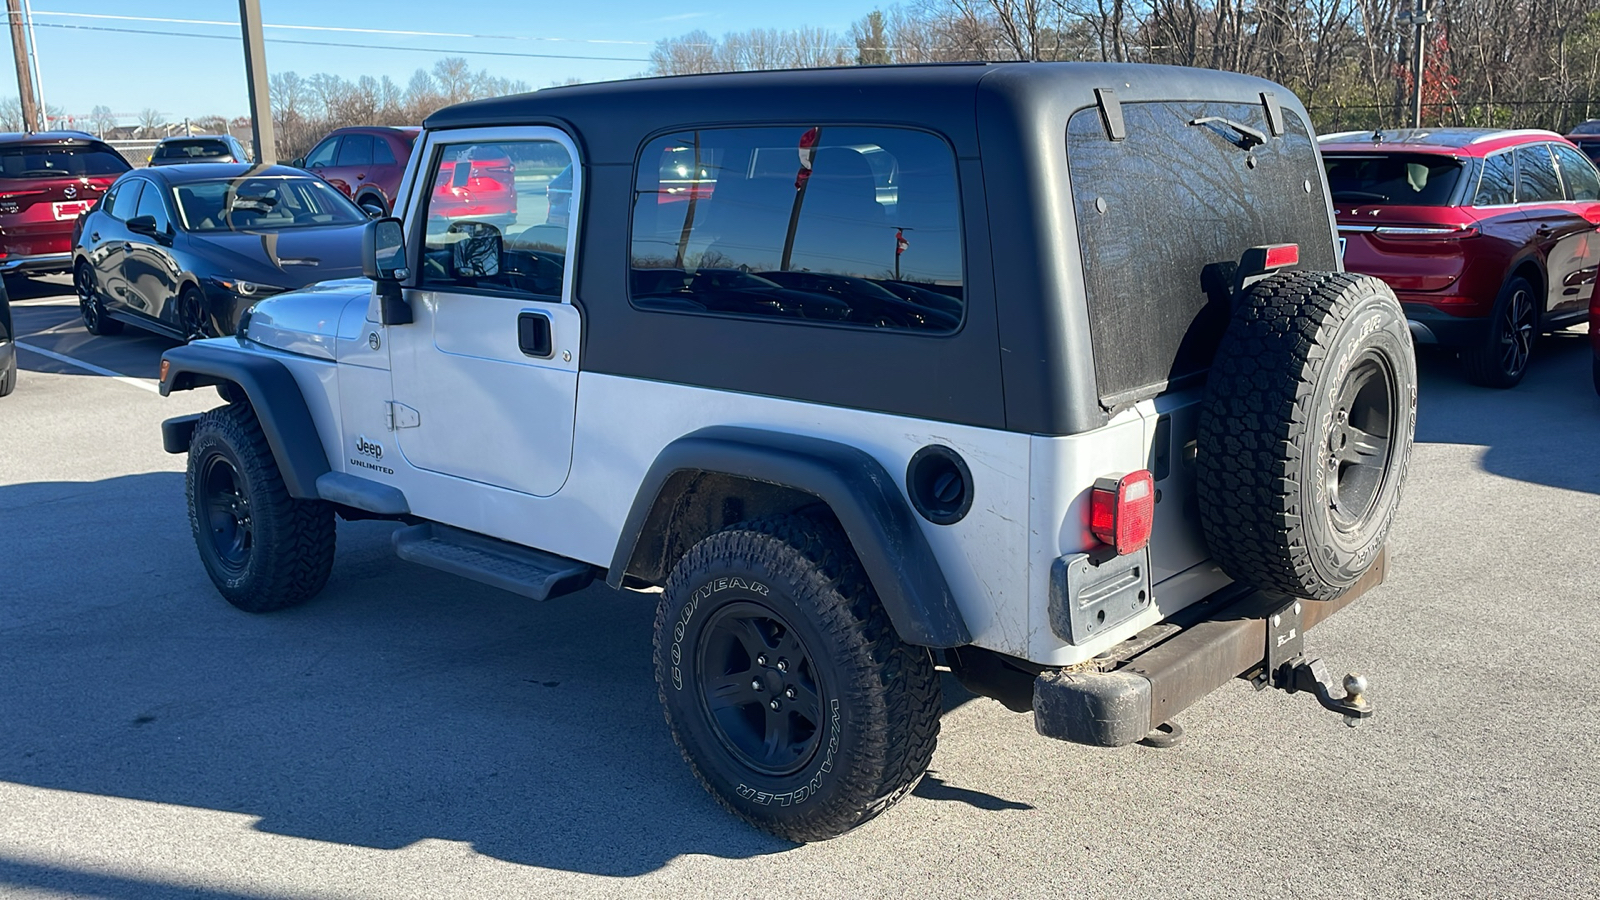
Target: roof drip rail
x=1111, y=113
x=1269, y=99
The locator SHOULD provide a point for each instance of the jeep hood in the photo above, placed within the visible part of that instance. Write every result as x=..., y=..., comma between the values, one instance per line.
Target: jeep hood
x=307, y=321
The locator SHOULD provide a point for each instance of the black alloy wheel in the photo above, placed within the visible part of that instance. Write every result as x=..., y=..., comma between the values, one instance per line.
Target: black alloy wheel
x=192, y=318
x=1500, y=359
x=1359, y=443
x=1516, y=333
x=760, y=691
x=226, y=509
x=95, y=320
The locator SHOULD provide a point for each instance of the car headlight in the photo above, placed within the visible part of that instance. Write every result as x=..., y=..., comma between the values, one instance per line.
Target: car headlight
x=246, y=288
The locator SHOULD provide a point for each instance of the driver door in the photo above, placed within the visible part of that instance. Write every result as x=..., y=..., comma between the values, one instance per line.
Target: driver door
x=486, y=376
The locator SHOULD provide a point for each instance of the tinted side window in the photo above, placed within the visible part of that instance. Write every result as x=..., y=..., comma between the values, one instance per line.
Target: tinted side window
x=1536, y=176
x=323, y=154
x=126, y=200
x=356, y=150
x=492, y=223
x=1577, y=173
x=381, y=154
x=1496, y=187
x=844, y=225
x=151, y=204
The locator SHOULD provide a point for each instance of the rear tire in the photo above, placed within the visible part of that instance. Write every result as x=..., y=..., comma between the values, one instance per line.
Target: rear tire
x=786, y=688
x=263, y=549
x=8, y=379
x=1305, y=433
x=1597, y=374
x=1500, y=358
x=90, y=308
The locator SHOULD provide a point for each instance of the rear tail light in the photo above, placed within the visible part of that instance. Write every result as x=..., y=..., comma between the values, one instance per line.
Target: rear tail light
x=1122, y=509
x=1280, y=255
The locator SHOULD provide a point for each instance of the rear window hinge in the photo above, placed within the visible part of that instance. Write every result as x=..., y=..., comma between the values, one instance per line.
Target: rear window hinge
x=1111, y=113
x=1274, y=113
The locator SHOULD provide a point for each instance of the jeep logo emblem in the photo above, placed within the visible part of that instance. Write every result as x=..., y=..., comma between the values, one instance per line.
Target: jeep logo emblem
x=369, y=448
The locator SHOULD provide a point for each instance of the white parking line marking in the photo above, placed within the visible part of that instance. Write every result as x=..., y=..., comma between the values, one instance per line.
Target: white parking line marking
x=91, y=367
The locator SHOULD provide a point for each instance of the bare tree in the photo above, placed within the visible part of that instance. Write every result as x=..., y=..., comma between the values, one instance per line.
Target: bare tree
x=101, y=119
x=151, y=121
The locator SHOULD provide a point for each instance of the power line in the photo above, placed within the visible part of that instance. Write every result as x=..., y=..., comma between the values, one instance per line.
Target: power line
x=340, y=28
x=453, y=51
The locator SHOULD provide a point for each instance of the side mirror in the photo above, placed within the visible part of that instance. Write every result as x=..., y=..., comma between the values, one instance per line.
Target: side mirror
x=383, y=259
x=145, y=225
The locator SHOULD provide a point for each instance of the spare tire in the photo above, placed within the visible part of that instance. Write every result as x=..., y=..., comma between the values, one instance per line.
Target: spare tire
x=1306, y=431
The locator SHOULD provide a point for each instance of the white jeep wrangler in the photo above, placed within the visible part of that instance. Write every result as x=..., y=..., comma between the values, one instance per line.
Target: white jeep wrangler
x=1045, y=373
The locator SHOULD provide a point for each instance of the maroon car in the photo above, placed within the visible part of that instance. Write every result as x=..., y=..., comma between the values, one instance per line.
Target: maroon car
x=1488, y=237
x=1587, y=138
x=47, y=180
x=365, y=162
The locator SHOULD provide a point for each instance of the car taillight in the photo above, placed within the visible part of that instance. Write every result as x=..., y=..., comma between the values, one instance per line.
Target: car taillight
x=1122, y=509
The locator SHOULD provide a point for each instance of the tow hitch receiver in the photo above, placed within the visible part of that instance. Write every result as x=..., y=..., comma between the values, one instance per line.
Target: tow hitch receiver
x=1292, y=673
x=1119, y=697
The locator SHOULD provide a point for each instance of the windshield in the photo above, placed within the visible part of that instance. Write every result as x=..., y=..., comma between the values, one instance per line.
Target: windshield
x=192, y=150
x=263, y=204
x=1408, y=179
x=64, y=161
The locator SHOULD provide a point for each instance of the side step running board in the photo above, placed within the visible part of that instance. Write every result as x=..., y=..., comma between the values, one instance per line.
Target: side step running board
x=509, y=567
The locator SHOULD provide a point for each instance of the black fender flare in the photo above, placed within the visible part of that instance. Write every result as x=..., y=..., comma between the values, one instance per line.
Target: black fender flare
x=274, y=395
x=863, y=497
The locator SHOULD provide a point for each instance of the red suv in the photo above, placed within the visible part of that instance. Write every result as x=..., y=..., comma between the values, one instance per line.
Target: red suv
x=366, y=162
x=47, y=180
x=1488, y=237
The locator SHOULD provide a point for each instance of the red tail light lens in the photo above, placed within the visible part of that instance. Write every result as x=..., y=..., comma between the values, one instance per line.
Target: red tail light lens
x=1280, y=255
x=1122, y=509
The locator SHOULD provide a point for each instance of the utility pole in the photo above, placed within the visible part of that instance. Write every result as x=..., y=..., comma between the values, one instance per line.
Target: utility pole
x=19, y=49
x=33, y=60
x=255, y=76
x=1419, y=17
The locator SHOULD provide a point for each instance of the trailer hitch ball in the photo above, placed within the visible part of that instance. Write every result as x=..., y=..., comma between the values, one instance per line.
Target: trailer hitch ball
x=1355, y=689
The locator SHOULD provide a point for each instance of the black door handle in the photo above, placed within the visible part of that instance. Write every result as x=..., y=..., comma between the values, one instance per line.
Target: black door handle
x=533, y=335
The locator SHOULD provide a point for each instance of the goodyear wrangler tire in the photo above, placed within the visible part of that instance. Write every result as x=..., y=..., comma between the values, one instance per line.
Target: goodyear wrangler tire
x=1306, y=431
x=788, y=692
x=263, y=549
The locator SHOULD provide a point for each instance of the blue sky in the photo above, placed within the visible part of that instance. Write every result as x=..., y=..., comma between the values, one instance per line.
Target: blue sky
x=187, y=76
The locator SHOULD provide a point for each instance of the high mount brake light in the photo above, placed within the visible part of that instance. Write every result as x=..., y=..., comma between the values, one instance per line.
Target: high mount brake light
x=1122, y=510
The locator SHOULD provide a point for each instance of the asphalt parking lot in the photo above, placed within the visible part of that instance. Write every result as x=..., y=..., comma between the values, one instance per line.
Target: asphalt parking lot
x=407, y=734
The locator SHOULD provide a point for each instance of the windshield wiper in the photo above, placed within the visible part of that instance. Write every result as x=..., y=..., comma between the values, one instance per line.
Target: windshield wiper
x=1248, y=137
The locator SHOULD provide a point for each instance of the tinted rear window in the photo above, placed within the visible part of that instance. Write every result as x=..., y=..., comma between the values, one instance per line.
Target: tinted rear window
x=1406, y=179
x=192, y=150
x=1163, y=218
x=69, y=161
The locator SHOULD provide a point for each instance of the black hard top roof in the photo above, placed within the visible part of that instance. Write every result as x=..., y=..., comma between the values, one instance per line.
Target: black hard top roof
x=184, y=173
x=611, y=115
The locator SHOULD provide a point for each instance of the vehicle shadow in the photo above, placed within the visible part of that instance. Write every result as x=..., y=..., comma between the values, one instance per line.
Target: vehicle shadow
x=59, y=329
x=1545, y=430
x=400, y=704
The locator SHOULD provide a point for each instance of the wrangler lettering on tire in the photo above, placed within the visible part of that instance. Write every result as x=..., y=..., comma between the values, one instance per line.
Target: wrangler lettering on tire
x=1306, y=432
x=785, y=687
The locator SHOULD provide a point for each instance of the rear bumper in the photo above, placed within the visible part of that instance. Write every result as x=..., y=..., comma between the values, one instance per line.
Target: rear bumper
x=1430, y=326
x=39, y=264
x=1228, y=639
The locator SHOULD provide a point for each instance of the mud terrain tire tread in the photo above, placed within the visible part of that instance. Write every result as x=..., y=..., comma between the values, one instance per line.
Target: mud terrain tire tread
x=890, y=686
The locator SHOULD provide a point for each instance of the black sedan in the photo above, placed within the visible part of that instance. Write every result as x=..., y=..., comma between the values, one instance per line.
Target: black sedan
x=184, y=250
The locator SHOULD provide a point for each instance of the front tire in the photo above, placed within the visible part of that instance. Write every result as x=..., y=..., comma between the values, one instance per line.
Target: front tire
x=95, y=320
x=263, y=549
x=192, y=318
x=1500, y=358
x=786, y=688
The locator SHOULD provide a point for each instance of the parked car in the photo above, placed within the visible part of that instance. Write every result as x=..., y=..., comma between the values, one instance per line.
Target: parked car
x=1594, y=336
x=8, y=344
x=223, y=148
x=1488, y=237
x=1129, y=436
x=185, y=250
x=365, y=162
x=47, y=180
x=1586, y=137
x=479, y=183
